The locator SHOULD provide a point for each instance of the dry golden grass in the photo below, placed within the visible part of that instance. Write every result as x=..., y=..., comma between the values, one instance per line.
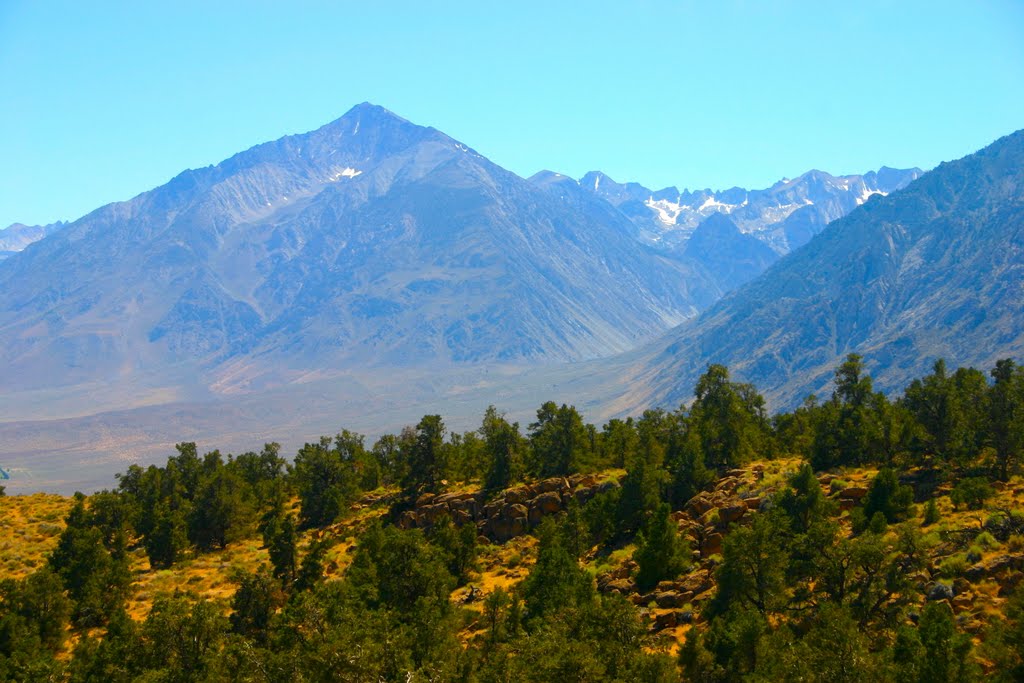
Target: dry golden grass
x=31, y=524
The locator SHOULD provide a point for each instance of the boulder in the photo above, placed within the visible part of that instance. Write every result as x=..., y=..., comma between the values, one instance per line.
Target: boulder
x=994, y=566
x=555, y=484
x=752, y=503
x=515, y=511
x=728, y=484
x=407, y=520
x=429, y=514
x=621, y=586
x=940, y=591
x=470, y=506
x=712, y=545
x=669, y=599
x=699, y=504
x=731, y=513
x=963, y=602
x=665, y=620
x=853, y=493
x=520, y=495
x=547, y=503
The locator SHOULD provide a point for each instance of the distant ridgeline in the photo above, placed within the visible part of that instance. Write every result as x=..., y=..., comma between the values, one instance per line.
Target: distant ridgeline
x=713, y=519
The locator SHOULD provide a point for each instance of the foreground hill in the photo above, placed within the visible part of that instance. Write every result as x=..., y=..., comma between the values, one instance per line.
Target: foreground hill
x=934, y=270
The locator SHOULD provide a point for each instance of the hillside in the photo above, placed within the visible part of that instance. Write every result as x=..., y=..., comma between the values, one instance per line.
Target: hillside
x=635, y=552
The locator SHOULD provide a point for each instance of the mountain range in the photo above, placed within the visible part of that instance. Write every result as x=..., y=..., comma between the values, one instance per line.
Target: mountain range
x=784, y=216
x=933, y=271
x=373, y=242
x=373, y=269
x=17, y=236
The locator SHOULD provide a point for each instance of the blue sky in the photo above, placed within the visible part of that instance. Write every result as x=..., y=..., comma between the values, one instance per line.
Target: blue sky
x=103, y=100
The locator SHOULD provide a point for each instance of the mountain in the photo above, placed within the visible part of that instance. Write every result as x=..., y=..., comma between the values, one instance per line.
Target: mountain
x=370, y=242
x=935, y=270
x=733, y=256
x=17, y=236
x=784, y=216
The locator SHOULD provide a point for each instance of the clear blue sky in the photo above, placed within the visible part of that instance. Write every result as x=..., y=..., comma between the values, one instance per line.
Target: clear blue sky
x=103, y=100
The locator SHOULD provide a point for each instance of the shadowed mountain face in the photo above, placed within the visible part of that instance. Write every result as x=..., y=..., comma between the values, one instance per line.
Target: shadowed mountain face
x=935, y=270
x=368, y=242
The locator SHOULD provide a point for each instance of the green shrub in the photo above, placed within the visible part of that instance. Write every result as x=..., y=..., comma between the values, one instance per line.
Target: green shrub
x=986, y=540
x=931, y=513
x=972, y=492
x=953, y=566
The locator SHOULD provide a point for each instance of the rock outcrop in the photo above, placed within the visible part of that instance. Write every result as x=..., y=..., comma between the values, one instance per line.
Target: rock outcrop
x=509, y=514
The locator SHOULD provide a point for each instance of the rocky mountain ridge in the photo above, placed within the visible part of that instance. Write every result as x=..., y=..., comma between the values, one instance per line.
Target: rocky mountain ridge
x=935, y=270
x=784, y=216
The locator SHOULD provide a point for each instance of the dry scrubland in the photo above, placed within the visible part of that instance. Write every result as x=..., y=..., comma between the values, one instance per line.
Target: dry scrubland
x=957, y=545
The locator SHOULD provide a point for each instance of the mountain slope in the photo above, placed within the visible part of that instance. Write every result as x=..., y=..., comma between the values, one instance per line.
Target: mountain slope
x=368, y=242
x=934, y=270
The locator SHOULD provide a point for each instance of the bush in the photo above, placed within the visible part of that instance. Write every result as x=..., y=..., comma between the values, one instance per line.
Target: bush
x=972, y=492
x=931, y=513
x=888, y=496
x=1015, y=543
x=953, y=566
x=986, y=540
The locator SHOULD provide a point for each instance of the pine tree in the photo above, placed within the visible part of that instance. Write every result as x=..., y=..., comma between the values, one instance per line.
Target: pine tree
x=660, y=553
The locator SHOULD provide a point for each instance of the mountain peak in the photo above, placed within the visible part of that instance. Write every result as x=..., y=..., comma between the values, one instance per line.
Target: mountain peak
x=371, y=110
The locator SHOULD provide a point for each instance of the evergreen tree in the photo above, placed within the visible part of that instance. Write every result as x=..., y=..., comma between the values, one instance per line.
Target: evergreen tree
x=96, y=578
x=1006, y=416
x=848, y=430
x=887, y=496
x=559, y=440
x=638, y=497
x=619, y=442
x=660, y=553
x=556, y=582
x=426, y=456
x=503, y=449
x=222, y=512
x=729, y=420
x=326, y=484
x=168, y=539
x=946, y=655
x=803, y=501
x=257, y=598
x=281, y=538
x=753, y=569
x=457, y=545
